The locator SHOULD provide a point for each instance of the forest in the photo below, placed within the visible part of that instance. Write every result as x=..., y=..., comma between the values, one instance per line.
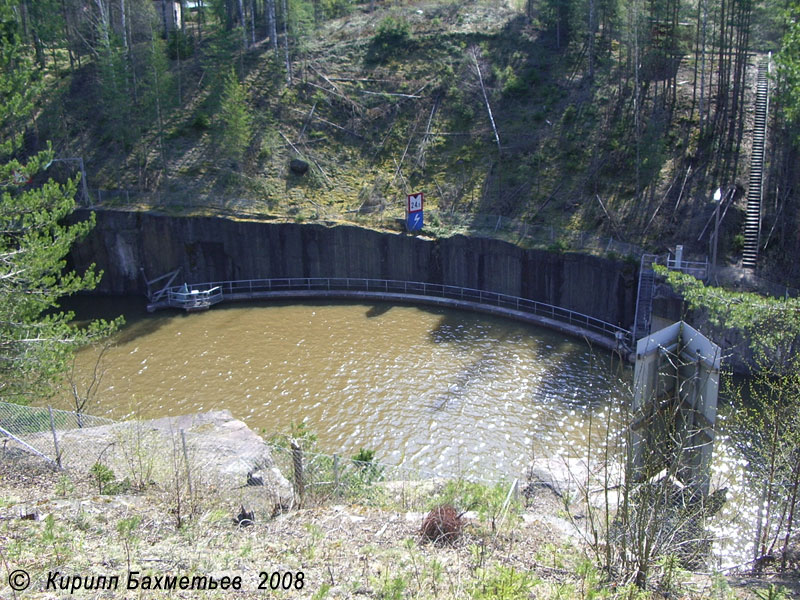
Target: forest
x=618, y=117
x=615, y=117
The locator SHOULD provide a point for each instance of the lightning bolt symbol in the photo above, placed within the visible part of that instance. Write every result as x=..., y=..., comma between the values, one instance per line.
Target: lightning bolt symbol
x=417, y=218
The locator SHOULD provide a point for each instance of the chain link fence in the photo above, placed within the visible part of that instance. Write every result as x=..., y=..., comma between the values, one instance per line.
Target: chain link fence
x=37, y=429
x=320, y=478
x=441, y=223
x=191, y=455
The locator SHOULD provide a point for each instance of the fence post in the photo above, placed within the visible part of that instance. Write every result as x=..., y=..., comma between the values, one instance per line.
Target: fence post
x=336, y=471
x=188, y=471
x=55, y=437
x=297, y=459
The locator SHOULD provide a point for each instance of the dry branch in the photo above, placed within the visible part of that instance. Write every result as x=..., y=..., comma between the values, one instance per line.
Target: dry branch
x=486, y=99
x=390, y=94
x=426, y=137
x=318, y=118
x=335, y=91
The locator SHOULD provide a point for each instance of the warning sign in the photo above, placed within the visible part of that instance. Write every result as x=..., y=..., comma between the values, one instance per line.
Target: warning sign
x=414, y=219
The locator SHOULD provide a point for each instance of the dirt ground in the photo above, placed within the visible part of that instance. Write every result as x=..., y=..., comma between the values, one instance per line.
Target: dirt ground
x=56, y=527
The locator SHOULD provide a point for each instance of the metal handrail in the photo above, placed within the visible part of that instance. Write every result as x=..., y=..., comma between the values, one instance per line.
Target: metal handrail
x=408, y=288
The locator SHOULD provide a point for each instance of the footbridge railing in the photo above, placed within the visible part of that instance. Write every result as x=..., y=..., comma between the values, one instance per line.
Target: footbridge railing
x=251, y=289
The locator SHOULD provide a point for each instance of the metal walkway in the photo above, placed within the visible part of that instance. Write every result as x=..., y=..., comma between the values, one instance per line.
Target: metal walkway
x=567, y=321
x=647, y=286
x=755, y=193
x=644, y=296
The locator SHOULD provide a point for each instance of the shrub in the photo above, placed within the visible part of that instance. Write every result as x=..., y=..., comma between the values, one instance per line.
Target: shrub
x=102, y=475
x=392, y=36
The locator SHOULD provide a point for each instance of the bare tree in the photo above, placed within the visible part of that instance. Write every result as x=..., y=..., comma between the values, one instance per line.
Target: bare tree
x=84, y=388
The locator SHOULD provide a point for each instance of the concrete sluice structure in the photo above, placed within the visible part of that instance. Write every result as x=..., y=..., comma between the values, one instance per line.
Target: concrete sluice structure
x=676, y=383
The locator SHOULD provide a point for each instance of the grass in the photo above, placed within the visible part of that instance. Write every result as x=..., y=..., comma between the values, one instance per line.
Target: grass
x=343, y=548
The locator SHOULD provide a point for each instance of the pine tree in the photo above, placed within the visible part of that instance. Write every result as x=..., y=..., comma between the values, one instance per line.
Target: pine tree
x=236, y=126
x=36, y=340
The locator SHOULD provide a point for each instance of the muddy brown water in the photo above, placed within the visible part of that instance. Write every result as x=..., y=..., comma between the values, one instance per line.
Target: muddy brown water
x=444, y=391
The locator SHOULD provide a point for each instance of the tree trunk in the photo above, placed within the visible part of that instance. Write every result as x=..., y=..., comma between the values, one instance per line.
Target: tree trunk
x=590, y=41
x=164, y=16
x=272, y=25
x=286, y=42
x=242, y=20
x=252, y=23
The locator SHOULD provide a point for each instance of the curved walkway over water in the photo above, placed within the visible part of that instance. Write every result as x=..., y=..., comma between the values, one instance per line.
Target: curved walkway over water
x=201, y=296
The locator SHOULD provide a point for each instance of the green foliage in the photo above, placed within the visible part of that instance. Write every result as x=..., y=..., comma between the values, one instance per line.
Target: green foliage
x=738, y=243
x=201, y=122
x=64, y=487
x=560, y=245
x=490, y=501
x=772, y=324
x=672, y=573
x=235, y=119
x=56, y=537
x=36, y=341
x=179, y=45
x=510, y=82
x=391, y=588
x=322, y=592
x=393, y=36
x=115, y=105
x=769, y=419
x=364, y=456
x=504, y=583
x=366, y=468
x=126, y=527
x=772, y=593
x=103, y=476
x=788, y=60
x=336, y=8
x=302, y=434
x=19, y=84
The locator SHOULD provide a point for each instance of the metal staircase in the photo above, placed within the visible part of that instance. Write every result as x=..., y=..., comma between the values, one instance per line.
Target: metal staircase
x=644, y=298
x=752, y=228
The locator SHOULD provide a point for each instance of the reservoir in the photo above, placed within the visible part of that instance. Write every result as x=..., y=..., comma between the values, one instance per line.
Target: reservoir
x=442, y=390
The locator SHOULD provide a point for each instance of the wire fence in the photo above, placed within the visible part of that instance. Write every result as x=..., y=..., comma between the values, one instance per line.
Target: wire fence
x=185, y=454
x=29, y=426
x=320, y=478
x=441, y=223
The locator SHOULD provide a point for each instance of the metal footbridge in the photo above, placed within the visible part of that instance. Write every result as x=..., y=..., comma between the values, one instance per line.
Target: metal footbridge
x=201, y=296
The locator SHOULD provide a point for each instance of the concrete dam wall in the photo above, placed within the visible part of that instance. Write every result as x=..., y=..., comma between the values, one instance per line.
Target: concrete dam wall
x=127, y=244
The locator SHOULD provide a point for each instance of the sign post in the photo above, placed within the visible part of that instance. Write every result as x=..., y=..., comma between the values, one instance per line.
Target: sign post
x=414, y=219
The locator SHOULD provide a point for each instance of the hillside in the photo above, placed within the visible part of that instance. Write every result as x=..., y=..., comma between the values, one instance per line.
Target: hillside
x=476, y=104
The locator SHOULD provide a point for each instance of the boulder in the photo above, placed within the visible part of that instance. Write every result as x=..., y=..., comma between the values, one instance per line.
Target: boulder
x=298, y=167
x=221, y=451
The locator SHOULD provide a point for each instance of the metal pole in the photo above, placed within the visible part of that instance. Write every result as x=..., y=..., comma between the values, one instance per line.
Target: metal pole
x=188, y=470
x=55, y=437
x=718, y=200
x=297, y=459
x=336, y=470
x=83, y=184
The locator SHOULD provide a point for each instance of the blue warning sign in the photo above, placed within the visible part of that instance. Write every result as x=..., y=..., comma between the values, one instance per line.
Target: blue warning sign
x=414, y=219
